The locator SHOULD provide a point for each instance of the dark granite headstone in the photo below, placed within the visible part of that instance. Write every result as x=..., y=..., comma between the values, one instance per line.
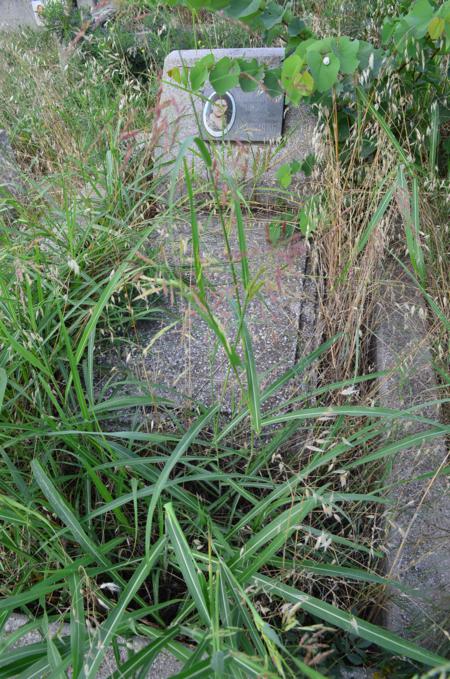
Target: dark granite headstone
x=245, y=116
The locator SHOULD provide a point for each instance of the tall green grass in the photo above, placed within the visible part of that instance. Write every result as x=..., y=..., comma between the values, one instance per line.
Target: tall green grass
x=231, y=545
x=198, y=534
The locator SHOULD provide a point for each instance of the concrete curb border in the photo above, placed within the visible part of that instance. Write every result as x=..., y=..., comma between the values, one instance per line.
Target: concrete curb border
x=164, y=666
x=418, y=526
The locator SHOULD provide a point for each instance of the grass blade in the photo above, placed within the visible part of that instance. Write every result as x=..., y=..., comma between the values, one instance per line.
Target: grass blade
x=277, y=384
x=195, y=236
x=391, y=448
x=98, y=308
x=108, y=629
x=375, y=219
x=3, y=381
x=285, y=523
x=143, y=658
x=434, y=137
x=77, y=629
x=22, y=351
x=242, y=245
x=350, y=411
x=65, y=513
x=253, y=391
x=409, y=210
x=194, y=580
x=179, y=451
x=385, y=127
x=349, y=623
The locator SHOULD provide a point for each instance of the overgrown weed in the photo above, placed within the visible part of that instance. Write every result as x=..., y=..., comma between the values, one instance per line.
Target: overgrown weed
x=179, y=520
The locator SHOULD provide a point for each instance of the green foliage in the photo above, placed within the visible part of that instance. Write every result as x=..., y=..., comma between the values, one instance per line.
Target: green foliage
x=225, y=75
x=251, y=74
x=200, y=71
x=199, y=528
x=295, y=80
x=285, y=172
x=61, y=19
x=316, y=66
x=324, y=66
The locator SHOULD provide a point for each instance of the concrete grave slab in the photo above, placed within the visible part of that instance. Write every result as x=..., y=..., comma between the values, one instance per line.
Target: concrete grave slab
x=246, y=152
x=187, y=359
x=418, y=526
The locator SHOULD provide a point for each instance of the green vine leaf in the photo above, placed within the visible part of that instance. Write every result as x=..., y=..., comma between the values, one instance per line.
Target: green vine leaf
x=296, y=26
x=199, y=72
x=346, y=51
x=252, y=72
x=225, y=75
x=419, y=17
x=241, y=9
x=387, y=30
x=284, y=175
x=272, y=15
x=436, y=28
x=272, y=82
x=175, y=74
x=297, y=83
x=324, y=68
x=303, y=47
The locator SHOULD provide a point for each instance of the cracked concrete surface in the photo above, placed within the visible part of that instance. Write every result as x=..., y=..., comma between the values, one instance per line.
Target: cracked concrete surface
x=187, y=360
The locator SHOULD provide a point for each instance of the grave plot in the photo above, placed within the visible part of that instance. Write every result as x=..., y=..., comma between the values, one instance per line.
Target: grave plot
x=186, y=360
x=288, y=522
x=257, y=274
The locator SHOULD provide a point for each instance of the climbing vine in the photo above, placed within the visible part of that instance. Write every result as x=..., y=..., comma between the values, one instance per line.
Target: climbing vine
x=415, y=42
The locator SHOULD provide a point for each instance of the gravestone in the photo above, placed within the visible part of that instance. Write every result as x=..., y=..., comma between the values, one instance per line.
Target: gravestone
x=266, y=133
x=249, y=136
x=16, y=14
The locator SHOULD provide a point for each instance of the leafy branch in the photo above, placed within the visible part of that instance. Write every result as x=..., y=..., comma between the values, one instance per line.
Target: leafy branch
x=314, y=66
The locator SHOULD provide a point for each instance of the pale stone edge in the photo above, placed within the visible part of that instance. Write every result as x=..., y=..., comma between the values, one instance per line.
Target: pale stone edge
x=399, y=334
x=164, y=666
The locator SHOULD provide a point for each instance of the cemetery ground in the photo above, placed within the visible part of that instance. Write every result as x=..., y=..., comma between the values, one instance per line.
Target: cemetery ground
x=247, y=545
